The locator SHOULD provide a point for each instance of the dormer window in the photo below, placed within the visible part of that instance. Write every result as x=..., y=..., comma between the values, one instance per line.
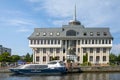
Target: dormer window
x=51, y=34
x=58, y=34
x=98, y=33
x=91, y=33
x=85, y=34
x=44, y=34
x=105, y=33
x=37, y=34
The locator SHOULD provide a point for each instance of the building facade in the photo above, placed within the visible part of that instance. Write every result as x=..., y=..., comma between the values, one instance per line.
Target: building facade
x=72, y=41
x=4, y=49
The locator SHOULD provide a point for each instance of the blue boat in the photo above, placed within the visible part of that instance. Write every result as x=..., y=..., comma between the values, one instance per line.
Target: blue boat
x=53, y=67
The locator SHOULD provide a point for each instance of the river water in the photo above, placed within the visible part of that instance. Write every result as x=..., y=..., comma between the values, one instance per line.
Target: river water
x=74, y=76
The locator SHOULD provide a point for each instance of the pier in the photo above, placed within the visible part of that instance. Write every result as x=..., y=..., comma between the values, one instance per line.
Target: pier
x=94, y=69
x=81, y=69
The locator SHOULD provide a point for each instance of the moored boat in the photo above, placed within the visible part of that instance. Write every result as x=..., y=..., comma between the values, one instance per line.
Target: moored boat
x=53, y=67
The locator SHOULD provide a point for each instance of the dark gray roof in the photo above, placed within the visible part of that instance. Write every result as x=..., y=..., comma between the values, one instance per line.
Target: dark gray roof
x=81, y=32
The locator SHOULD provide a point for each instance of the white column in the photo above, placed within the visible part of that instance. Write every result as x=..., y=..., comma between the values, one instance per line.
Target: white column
x=94, y=56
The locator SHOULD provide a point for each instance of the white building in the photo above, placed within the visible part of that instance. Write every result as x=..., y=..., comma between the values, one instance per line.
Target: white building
x=47, y=43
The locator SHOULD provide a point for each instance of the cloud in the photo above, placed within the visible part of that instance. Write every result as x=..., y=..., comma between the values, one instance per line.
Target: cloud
x=90, y=12
x=23, y=29
x=116, y=49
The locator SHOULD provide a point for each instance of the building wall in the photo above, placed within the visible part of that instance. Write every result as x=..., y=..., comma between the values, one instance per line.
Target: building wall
x=4, y=49
x=97, y=49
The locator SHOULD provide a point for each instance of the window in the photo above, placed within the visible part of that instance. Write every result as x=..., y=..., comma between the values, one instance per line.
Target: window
x=106, y=41
x=37, y=58
x=102, y=41
x=63, y=42
x=44, y=41
x=85, y=34
x=44, y=34
x=37, y=41
x=91, y=50
x=51, y=34
x=91, y=58
x=58, y=34
x=91, y=33
x=92, y=41
x=41, y=41
x=57, y=57
x=78, y=58
x=38, y=50
x=98, y=33
x=34, y=41
x=64, y=50
x=82, y=41
x=78, y=42
x=58, y=41
x=31, y=41
x=105, y=33
x=55, y=41
x=109, y=41
x=44, y=50
x=63, y=58
x=84, y=50
x=99, y=41
x=71, y=33
x=78, y=49
x=104, y=58
x=104, y=50
x=97, y=58
x=37, y=34
x=51, y=41
x=44, y=58
x=57, y=50
x=48, y=41
x=96, y=41
x=50, y=58
x=98, y=50
x=85, y=41
x=51, y=50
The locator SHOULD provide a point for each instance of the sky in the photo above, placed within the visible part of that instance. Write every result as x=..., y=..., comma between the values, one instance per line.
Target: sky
x=18, y=18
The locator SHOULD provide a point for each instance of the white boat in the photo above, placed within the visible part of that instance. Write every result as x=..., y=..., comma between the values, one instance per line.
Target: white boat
x=53, y=67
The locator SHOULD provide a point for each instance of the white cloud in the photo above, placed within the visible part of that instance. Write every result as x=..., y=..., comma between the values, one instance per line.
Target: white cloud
x=116, y=49
x=90, y=12
x=23, y=29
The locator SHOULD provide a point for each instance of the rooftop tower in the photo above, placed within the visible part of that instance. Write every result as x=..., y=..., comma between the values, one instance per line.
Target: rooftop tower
x=74, y=21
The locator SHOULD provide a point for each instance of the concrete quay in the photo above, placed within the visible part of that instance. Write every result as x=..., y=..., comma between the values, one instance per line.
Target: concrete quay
x=82, y=69
x=94, y=69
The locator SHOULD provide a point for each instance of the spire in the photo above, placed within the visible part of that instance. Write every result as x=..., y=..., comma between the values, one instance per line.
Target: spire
x=74, y=21
x=74, y=18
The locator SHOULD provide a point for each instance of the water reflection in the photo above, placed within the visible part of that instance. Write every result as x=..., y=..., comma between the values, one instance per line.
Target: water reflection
x=75, y=76
x=88, y=76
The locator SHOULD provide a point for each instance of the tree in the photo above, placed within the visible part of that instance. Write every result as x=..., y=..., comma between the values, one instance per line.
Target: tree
x=85, y=58
x=15, y=58
x=118, y=58
x=112, y=57
x=28, y=58
x=5, y=57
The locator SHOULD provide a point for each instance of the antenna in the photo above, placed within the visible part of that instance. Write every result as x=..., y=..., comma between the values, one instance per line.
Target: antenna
x=74, y=18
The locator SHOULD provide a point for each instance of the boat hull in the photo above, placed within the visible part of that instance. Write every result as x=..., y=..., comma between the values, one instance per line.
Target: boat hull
x=48, y=71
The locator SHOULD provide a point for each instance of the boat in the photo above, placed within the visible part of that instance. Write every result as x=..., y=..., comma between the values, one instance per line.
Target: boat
x=53, y=67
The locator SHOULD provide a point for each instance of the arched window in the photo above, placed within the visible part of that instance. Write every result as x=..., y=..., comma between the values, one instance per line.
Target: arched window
x=71, y=33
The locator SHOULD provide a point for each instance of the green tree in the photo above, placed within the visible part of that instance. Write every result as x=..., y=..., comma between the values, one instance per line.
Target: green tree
x=15, y=58
x=28, y=58
x=112, y=57
x=85, y=58
x=118, y=58
x=5, y=57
